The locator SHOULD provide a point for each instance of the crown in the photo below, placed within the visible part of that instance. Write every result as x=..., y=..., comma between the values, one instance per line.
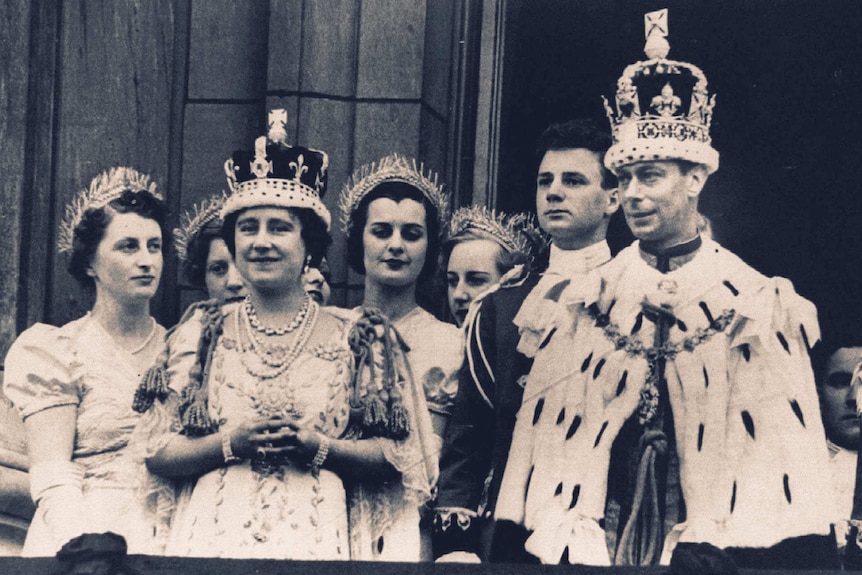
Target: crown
x=515, y=234
x=196, y=219
x=104, y=188
x=277, y=174
x=663, y=110
x=392, y=168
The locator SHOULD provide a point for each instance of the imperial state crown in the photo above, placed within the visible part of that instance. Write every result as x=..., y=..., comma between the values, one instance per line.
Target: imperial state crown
x=663, y=110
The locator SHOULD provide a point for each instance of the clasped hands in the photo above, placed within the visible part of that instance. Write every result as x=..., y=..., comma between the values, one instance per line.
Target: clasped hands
x=275, y=439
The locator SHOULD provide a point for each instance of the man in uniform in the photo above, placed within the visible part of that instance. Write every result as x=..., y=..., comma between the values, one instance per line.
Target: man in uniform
x=575, y=199
x=675, y=402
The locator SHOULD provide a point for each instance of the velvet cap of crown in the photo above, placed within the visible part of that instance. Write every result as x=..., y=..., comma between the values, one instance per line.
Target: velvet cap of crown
x=276, y=174
x=663, y=110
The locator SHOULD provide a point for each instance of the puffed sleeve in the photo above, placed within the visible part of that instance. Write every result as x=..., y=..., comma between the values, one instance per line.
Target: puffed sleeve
x=39, y=370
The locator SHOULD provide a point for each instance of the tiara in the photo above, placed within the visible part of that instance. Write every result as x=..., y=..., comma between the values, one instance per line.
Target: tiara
x=104, y=188
x=392, y=168
x=514, y=233
x=194, y=220
x=663, y=110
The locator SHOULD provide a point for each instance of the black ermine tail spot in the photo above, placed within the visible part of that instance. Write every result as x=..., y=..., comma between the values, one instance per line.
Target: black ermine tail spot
x=804, y=335
x=555, y=292
x=538, y=411
x=598, y=369
x=559, y=489
x=576, y=423
x=746, y=351
x=681, y=325
x=380, y=544
x=748, y=423
x=547, y=338
x=706, y=312
x=733, y=497
x=699, y=437
x=794, y=405
x=601, y=432
x=787, y=488
x=621, y=386
x=705, y=377
x=586, y=365
x=639, y=320
x=562, y=416
x=576, y=492
x=730, y=286
x=783, y=341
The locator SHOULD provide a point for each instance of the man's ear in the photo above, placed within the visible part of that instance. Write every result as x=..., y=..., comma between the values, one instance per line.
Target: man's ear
x=696, y=179
x=613, y=202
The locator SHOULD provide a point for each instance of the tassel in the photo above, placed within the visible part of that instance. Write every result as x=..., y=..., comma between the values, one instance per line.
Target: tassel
x=196, y=420
x=375, y=420
x=153, y=386
x=399, y=421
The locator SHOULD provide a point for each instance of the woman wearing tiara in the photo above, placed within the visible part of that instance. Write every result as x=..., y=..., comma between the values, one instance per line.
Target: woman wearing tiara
x=481, y=248
x=74, y=384
x=206, y=261
x=299, y=428
x=394, y=216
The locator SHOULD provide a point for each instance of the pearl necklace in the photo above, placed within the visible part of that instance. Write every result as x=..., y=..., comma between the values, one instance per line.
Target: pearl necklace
x=251, y=314
x=266, y=362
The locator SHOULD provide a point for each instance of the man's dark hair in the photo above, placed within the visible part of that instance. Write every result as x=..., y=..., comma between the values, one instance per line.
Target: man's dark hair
x=581, y=133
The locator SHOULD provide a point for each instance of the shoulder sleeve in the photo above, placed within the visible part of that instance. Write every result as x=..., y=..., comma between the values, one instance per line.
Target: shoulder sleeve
x=38, y=370
x=182, y=347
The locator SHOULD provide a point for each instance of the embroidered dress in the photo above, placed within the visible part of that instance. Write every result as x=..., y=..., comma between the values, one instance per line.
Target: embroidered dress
x=748, y=435
x=80, y=364
x=282, y=511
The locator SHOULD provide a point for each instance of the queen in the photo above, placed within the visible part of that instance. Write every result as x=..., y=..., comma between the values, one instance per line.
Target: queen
x=301, y=432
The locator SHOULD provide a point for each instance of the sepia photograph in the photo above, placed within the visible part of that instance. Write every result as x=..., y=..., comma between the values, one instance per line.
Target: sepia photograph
x=430, y=286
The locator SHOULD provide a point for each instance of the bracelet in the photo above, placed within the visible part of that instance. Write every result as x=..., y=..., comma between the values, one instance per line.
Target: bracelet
x=226, y=451
x=322, y=452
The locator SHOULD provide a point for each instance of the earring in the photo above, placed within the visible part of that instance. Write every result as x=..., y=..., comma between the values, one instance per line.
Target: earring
x=306, y=265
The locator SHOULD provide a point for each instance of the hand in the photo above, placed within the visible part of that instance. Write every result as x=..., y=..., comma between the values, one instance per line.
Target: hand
x=284, y=439
x=459, y=557
x=251, y=439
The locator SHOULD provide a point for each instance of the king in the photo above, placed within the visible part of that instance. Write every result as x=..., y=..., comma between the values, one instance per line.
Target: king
x=674, y=404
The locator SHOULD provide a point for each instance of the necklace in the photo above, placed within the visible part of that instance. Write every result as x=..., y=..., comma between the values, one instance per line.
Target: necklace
x=297, y=320
x=268, y=362
x=138, y=349
x=147, y=341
